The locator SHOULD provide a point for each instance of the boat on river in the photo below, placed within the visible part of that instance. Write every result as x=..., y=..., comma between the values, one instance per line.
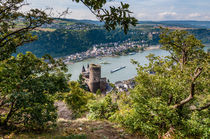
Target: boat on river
x=132, y=53
x=117, y=69
x=105, y=62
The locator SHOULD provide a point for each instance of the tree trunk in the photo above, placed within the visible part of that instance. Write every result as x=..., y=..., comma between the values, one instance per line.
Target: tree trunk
x=9, y=115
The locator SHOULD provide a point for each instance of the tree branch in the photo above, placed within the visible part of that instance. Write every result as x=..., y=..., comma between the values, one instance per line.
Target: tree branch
x=9, y=114
x=89, y=8
x=3, y=101
x=170, y=99
x=173, y=56
x=197, y=73
x=201, y=108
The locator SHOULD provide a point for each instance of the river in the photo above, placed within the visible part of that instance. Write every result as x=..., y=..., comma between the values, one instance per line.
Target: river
x=115, y=62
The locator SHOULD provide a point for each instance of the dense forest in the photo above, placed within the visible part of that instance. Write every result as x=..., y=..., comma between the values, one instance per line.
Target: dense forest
x=62, y=42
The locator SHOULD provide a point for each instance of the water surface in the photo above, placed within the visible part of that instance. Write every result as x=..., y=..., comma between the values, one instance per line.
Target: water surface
x=116, y=62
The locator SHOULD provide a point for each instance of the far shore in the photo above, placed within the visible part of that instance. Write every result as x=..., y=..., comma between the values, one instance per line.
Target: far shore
x=153, y=47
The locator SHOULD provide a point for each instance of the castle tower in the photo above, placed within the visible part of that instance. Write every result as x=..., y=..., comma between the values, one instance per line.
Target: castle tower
x=94, y=77
x=83, y=69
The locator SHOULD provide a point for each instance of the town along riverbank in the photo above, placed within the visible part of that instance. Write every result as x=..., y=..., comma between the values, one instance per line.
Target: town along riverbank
x=123, y=49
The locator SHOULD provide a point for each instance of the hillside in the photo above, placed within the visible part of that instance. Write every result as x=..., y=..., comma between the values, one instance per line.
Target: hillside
x=68, y=36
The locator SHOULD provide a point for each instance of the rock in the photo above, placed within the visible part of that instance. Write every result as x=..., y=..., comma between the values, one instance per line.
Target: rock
x=63, y=111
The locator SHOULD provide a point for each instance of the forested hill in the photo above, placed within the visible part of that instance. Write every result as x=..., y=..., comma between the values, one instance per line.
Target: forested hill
x=62, y=42
x=67, y=36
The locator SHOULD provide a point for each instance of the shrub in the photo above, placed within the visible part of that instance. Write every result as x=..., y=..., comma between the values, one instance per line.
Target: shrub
x=98, y=92
x=27, y=89
x=77, y=99
x=174, y=99
x=102, y=109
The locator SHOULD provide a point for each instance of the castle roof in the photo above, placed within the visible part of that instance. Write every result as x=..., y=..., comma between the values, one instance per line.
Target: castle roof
x=83, y=69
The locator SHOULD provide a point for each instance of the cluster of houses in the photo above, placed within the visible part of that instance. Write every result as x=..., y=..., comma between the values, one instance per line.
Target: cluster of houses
x=124, y=86
x=74, y=26
x=101, y=50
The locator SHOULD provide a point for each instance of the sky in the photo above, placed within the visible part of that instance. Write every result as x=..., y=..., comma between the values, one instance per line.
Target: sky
x=143, y=10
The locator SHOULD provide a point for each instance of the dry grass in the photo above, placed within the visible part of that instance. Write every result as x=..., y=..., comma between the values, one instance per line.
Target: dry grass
x=74, y=129
x=45, y=29
x=82, y=128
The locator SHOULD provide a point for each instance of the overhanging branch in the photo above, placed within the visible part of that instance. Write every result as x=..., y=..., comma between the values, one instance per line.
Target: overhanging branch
x=201, y=108
x=197, y=73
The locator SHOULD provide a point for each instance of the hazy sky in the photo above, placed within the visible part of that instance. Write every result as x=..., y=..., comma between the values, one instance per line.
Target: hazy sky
x=142, y=9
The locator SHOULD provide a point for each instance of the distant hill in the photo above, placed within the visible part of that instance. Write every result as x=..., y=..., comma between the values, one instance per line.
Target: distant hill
x=176, y=23
x=82, y=21
x=187, y=24
x=62, y=23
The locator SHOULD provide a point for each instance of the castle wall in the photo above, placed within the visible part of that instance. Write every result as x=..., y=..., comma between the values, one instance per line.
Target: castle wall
x=103, y=84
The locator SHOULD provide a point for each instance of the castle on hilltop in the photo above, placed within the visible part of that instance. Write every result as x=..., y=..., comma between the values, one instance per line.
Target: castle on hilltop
x=92, y=77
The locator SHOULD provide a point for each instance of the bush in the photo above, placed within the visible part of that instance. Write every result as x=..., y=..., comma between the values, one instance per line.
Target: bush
x=198, y=124
x=102, y=109
x=151, y=118
x=98, y=92
x=28, y=86
x=77, y=99
x=174, y=99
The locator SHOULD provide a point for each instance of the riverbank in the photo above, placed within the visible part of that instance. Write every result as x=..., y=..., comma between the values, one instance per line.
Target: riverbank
x=125, y=51
x=115, y=62
x=152, y=48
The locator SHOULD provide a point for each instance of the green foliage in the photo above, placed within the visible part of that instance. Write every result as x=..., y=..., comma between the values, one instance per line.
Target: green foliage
x=201, y=34
x=82, y=83
x=27, y=84
x=112, y=16
x=77, y=99
x=65, y=42
x=198, y=124
x=98, y=92
x=12, y=37
x=102, y=109
x=175, y=99
x=27, y=88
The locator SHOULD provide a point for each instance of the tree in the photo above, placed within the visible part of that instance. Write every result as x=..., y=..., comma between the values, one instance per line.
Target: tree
x=175, y=99
x=77, y=99
x=27, y=84
x=13, y=35
x=102, y=109
x=27, y=89
x=82, y=84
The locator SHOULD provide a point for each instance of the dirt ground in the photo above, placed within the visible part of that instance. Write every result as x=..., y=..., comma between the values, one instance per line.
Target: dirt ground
x=66, y=127
x=92, y=129
x=96, y=129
